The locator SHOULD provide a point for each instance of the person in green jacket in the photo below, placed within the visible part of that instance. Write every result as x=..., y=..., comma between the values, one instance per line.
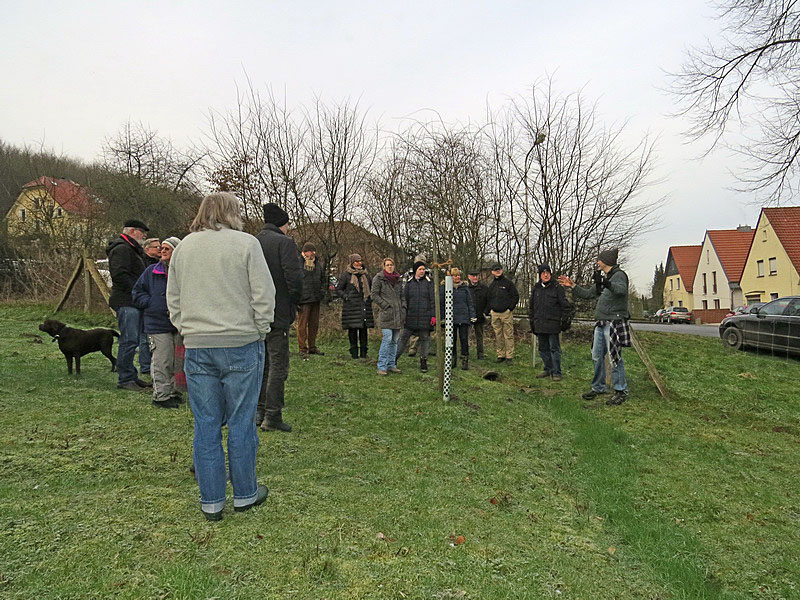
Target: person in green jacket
x=611, y=330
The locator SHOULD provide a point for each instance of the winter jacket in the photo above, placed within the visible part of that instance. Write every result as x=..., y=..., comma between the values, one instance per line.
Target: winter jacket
x=390, y=301
x=313, y=283
x=150, y=294
x=418, y=294
x=612, y=304
x=463, y=308
x=503, y=295
x=547, y=305
x=356, y=311
x=284, y=264
x=480, y=296
x=126, y=261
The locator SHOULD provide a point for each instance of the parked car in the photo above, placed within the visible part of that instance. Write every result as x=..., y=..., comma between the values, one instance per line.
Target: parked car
x=658, y=316
x=775, y=326
x=744, y=309
x=678, y=314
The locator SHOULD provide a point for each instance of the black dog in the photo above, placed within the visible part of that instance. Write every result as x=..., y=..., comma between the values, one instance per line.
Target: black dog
x=74, y=343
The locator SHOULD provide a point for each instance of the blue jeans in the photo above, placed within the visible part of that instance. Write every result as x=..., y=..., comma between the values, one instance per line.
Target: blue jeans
x=599, y=350
x=387, y=355
x=223, y=387
x=550, y=351
x=129, y=319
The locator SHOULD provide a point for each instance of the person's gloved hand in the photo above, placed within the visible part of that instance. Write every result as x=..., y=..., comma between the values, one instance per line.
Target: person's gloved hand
x=433, y=321
x=473, y=320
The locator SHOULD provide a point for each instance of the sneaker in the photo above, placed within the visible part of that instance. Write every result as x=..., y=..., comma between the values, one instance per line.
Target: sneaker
x=178, y=397
x=142, y=383
x=131, y=387
x=617, y=399
x=423, y=365
x=556, y=377
x=261, y=494
x=543, y=375
x=500, y=359
x=591, y=394
x=509, y=361
x=166, y=403
x=382, y=372
x=395, y=370
x=276, y=426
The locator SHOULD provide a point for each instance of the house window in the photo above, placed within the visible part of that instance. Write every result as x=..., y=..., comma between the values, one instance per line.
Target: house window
x=773, y=296
x=716, y=303
x=773, y=266
x=678, y=282
x=708, y=256
x=22, y=214
x=705, y=285
x=705, y=304
x=714, y=281
x=670, y=281
x=764, y=239
x=59, y=212
x=680, y=302
x=760, y=265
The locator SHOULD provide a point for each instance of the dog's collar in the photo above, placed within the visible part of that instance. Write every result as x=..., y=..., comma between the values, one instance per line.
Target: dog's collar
x=57, y=334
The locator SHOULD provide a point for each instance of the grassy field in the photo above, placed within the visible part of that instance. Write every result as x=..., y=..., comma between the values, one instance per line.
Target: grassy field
x=515, y=489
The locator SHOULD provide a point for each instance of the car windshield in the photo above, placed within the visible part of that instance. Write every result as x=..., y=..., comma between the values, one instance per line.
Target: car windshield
x=680, y=309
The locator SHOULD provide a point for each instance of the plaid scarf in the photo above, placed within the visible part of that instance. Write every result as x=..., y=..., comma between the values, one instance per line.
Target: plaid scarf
x=619, y=337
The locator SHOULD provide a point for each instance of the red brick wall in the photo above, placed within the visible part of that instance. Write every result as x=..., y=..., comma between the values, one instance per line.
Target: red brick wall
x=711, y=315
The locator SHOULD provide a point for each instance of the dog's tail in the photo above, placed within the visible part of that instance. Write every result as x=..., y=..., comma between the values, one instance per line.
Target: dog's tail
x=115, y=333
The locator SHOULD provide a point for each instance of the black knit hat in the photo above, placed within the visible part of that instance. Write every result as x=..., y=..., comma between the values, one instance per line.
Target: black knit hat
x=309, y=247
x=544, y=267
x=497, y=267
x=136, y=224
x=417, y=265
x=609, y=257
x=275, y=215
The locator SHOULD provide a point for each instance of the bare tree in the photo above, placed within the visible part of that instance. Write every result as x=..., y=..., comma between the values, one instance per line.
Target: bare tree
x=750, y=78
x=569, y=184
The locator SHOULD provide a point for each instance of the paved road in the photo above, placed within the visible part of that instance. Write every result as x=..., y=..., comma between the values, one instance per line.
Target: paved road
x=705, y=330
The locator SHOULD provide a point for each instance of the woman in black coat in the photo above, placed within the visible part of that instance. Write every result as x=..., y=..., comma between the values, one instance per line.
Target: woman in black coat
x=548, y=303
x=463, y=316
x=353, y=288
x=420, y=319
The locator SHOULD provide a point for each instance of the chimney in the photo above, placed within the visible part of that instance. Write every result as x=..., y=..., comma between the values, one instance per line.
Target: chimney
x=744, y=228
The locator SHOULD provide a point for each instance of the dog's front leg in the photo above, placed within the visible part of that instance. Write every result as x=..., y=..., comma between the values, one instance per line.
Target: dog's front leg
x=77, y=365
x=69, y=363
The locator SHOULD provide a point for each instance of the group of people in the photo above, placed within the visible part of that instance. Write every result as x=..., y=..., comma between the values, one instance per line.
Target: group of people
x=224, y=300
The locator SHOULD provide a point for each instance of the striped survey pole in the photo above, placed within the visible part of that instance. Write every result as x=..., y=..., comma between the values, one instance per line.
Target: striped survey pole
x=448, y=336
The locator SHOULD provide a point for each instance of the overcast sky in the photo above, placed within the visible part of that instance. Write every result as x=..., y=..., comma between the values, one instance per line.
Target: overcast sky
x=76, y=71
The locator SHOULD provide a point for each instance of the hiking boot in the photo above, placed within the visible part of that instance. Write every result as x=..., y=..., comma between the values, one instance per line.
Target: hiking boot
x=261, y=494
x=543, y=375
x=591, y=394
x=171, y=403
x=395, y=370
x=143, y=384
x=131, y=387
x=509, y=361
x=465, y=363
x=500, y=359
x=423, y=365
x=259, y=417
x=212, y=516
x=276, y=426
x=556, y=377
x=363, y=353
x=617, y=399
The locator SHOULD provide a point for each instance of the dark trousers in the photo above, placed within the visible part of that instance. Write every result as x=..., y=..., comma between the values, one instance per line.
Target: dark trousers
x=461, y=333
x=358, y=336
x=550, y=351
x=422, y=345
x=478, y=329
x=276, y=371
x=307, y=326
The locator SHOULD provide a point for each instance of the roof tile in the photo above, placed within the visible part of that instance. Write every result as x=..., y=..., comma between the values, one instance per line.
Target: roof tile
x=732, y=247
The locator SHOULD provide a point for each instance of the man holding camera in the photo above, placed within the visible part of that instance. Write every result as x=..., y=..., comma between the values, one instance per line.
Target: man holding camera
x=611, y=331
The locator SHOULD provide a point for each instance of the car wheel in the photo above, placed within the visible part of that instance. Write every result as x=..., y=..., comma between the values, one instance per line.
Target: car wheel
x=732, y=338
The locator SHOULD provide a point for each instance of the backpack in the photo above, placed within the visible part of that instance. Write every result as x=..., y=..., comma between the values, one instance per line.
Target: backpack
x=567, y=315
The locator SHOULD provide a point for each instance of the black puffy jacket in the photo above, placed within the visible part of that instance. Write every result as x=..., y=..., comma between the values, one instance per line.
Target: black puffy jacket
x=356, y=311
x=503, y=295
x=463, y=308
x=313, y=283
x=480, y=297
x=419, y=304
x=126, y=261
x=547, y=306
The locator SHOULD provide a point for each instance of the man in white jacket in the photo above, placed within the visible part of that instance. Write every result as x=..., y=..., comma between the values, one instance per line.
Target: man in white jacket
x=221, y=298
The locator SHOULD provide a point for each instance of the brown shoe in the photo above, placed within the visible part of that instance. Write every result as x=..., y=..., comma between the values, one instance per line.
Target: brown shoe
x=556, y=377
x=543, y=375
x=382, y=373
x=395, y=370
